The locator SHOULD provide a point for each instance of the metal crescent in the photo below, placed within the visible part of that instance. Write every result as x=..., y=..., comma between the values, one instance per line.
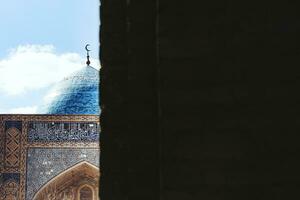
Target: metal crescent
x=86, y=47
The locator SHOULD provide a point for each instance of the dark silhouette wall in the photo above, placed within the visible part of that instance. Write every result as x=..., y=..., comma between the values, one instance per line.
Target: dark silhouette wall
x=199, y=101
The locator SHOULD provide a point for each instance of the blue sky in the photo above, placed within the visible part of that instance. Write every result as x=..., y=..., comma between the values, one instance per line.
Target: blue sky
x=41, y=42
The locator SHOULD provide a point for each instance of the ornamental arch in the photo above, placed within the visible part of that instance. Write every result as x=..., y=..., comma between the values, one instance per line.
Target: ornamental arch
x=79, y=182
x=34, y=163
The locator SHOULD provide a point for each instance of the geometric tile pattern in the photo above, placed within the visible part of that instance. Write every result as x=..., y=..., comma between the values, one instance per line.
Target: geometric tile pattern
x=12, y=148
x=9, y=187
x=9, y=190
x=2, y=146
x=43, y=164
x=15, y=124
x=10, y=176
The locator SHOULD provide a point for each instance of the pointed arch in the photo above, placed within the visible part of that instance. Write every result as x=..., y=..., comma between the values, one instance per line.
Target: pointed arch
x=69, y=182
x=93, y=195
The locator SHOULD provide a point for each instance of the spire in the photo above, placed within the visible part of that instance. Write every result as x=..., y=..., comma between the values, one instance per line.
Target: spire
x=87, y=54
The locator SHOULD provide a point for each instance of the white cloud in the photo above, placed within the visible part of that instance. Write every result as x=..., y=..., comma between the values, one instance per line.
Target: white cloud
x=31, y=67
x=24, y=110
x=52, y=93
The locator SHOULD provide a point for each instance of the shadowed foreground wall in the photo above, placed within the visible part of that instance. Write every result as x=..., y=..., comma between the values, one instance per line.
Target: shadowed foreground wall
x=200, y=102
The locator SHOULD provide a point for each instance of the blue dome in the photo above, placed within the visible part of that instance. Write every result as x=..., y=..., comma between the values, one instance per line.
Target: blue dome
x=76, y=94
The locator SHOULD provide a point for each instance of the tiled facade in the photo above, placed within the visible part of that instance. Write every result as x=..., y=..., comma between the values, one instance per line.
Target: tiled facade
x=45, y=163
x=37, y=148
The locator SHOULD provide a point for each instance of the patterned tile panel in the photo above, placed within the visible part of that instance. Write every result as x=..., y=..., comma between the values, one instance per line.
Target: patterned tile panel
x=17, y=176
x=9, y=186
x=10, y=176
x=2, y=142
x=12, y=148
x=43, y=164
x=15, y=124
x=63, y=131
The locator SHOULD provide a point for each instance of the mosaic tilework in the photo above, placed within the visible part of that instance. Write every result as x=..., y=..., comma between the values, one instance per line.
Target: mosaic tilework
x=9, y=190
x=16, y=188
x=11, y=145
x=10, y=176
x=76, y=94
x=2, y=142
x=12, y=148
x=9, y=186
x=45, y=163
x=15, y=124
x=63, y=131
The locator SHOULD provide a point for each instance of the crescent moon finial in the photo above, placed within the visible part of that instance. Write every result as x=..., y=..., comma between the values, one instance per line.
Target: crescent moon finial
x=87, y=48
x=87, y=54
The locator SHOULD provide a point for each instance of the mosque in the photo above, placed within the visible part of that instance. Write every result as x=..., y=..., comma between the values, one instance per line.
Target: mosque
x=55, y=155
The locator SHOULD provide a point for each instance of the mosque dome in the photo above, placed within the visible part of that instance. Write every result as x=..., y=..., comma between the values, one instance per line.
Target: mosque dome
x=76, y=94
